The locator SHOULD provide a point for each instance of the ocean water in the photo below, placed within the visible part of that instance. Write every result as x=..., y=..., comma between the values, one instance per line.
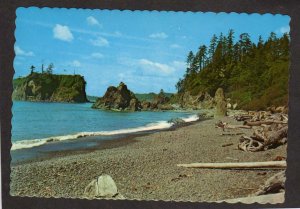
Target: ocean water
x=37, y=124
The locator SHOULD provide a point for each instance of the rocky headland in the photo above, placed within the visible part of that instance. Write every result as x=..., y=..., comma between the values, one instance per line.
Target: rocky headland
x=50, y=88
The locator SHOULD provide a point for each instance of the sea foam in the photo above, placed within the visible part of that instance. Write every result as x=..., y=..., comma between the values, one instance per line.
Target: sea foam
x=149, y=127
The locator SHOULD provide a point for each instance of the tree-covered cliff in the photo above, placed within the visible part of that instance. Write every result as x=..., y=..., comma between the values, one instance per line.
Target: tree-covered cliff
x=255, y=75
x=50, y=87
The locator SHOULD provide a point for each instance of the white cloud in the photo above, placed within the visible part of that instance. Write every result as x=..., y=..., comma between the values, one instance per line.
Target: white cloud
x=175, y=46
x=155, y=66
x=179, y=65
x=284, y=29
x=160, y=35
x=75, y=63
x=62, y=33
x=100, y=42
x=92, y=21
x=97, y=55
x=20, y=52
x=118, y=33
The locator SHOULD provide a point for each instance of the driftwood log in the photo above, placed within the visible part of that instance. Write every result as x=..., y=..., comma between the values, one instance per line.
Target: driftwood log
x=262, y=199
x=266, y=122
x=270, y=129
x=244, y=165
x=264, y=139
x=224, y=126
x=275, y=184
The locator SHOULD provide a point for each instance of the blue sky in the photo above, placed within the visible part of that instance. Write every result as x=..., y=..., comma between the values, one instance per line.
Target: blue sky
x=146, y=50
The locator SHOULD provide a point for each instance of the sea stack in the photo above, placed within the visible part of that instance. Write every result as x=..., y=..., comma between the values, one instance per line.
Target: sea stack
x=119, y=99
x=46, y=87
x=221, y=109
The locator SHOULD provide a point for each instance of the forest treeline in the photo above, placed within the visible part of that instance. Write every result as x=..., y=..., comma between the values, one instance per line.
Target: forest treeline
x=255, y=75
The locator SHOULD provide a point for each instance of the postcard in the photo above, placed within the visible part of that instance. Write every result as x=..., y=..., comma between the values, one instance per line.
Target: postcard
x=150, y=105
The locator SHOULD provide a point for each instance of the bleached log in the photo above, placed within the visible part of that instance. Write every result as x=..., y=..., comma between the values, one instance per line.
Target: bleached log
x=237, y=126
x=266, y=122
x=224, y=126
x=246, y=165
x=262, y=199
x=231, y=134
x=274, y=184
x=275, y=137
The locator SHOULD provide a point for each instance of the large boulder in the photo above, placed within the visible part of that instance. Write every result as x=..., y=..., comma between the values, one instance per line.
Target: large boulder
x=118, y=98
x=220, y=109
x=102, y=187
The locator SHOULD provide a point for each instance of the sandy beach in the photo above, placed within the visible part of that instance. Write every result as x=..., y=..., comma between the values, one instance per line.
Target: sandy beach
x=145, y=168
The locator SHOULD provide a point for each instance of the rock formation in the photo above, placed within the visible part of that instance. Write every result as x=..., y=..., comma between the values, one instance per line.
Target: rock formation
x=50, y=87
x=200, y=101
x=118, y=98
x=102, y=187
x=221, y=109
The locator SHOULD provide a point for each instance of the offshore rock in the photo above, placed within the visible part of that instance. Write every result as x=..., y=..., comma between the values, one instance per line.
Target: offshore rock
x=50, y=88
x=119, y=99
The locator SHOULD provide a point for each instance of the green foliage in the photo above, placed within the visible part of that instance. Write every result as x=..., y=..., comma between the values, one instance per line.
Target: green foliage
x=253, y=75
x=149, y=97
x=50, y=87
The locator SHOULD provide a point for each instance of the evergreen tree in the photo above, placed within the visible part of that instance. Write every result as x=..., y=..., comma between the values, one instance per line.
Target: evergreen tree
x=49, y=69
x=253, y=74
x=32, y=68
x=212, y=46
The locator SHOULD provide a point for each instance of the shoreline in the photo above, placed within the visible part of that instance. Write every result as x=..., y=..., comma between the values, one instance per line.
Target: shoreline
x=146, y=169
x=100, y=144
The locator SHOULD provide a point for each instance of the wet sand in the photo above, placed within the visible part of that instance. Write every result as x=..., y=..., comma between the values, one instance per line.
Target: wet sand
x=144, y=167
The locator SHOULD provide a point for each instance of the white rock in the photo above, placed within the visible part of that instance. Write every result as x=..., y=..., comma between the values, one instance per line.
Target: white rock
x=102, y=187
x=106, y=186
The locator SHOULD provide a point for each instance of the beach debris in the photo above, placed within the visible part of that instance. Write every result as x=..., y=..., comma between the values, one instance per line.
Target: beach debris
x=221, y=109
x=231, y=134
x=262, y=173
x=225, y=125
x=264, y=138
x=102, y=187
x=239, y=165
x=180, y=176
x=262, y=199
x=227, y=145
x=269, y=129
x=274, y=184
x=279, y=158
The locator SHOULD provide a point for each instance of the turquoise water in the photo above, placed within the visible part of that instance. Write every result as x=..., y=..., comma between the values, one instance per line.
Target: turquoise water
x=35, y=124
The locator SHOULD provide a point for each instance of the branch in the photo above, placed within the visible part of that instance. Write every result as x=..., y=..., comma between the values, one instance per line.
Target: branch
x=268, y=164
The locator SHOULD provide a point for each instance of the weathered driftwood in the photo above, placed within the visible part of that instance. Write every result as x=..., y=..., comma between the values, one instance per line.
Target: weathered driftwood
x=274, y=184
x=231, y=134
x=246, y=165
x=224, y=126
x=226, y=145
x=269, y=129
x=249, y=144
x=263, y=140
x=266, y=122
x=242, y=117
x=262, y=199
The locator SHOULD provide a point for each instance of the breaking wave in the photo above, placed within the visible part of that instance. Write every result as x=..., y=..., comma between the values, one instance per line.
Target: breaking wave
x=149, y=127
